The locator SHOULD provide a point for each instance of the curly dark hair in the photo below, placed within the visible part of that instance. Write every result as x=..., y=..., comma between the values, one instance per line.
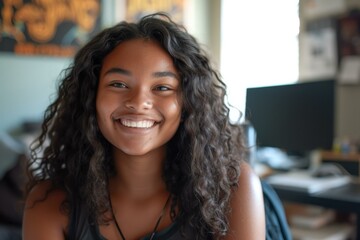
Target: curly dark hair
x=203, y=158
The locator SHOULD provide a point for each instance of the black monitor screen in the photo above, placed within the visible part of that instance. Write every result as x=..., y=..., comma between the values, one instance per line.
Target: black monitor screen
x=297, y=117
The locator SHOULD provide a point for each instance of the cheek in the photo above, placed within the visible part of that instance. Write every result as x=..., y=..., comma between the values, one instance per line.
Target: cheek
x=174, y=111
x=103, y=112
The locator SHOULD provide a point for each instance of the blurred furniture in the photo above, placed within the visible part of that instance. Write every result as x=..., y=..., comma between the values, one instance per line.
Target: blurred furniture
x=350, y=162
x=345, y=199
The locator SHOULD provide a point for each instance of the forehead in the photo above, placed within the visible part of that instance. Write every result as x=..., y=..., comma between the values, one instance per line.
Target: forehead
x=139, y=53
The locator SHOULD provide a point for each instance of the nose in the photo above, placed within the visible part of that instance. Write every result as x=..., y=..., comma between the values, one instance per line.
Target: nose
x=138, y=100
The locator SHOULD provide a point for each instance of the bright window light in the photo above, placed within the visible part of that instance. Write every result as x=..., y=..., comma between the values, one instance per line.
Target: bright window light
x=259, y=46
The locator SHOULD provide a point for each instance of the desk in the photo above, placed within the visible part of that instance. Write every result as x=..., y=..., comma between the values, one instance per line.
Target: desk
x=351, y=161
x=344, y=199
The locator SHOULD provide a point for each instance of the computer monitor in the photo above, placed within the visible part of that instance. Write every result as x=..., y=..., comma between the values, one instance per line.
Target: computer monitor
x=297, y=118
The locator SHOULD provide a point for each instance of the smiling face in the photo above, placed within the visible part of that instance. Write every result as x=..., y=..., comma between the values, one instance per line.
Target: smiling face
x=138, y=103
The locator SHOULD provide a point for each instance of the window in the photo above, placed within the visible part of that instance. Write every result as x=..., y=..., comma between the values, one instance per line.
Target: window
x=259, y=46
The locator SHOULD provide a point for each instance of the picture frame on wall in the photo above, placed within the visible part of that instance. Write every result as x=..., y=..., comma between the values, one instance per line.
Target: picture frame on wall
x=134, y=10
x=51, y=28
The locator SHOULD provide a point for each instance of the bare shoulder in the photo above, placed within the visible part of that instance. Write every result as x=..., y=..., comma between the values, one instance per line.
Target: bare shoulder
x=247, y=218
x=43, y=218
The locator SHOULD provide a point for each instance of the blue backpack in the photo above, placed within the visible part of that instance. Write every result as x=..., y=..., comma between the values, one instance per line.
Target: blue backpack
x=277, y=227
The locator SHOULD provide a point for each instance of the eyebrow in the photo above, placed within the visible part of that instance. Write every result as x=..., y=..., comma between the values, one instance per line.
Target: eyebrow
x=118, y=70
x=155, y=74
x=165, y=74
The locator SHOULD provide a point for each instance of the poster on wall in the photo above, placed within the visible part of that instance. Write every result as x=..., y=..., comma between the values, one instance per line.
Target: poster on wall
x=349, y=49
x=47, y=27
x=134, y=10
x=349, y=36
x=319, y=55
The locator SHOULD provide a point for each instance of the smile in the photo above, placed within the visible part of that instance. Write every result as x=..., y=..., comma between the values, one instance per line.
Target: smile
x=137, y=124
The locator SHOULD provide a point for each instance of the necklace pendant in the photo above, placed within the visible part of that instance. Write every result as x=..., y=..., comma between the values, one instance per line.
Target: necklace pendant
x=152, y=236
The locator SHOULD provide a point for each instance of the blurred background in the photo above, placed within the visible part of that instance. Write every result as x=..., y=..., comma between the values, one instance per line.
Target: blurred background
x=254, y=44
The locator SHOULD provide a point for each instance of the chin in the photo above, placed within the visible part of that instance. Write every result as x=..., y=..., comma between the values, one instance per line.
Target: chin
x=139, y=150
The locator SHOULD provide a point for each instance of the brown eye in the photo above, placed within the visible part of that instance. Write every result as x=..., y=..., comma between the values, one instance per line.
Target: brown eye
x=118, y=85
x=162, y=88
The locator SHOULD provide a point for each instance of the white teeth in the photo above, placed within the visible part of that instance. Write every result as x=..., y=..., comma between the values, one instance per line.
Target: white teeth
x=137, y=124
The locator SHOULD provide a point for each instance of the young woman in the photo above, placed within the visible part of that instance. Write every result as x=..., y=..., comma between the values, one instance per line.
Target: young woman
x=138, y=145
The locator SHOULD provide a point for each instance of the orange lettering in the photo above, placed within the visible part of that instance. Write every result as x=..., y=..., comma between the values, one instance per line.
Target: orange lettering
x=43, y=17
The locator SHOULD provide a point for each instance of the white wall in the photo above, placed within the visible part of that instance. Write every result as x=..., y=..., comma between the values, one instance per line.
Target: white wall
x=26, y=84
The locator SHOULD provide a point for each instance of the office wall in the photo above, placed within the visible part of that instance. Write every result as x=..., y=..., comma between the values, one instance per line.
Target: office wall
x=27, y=84
x=348, y=112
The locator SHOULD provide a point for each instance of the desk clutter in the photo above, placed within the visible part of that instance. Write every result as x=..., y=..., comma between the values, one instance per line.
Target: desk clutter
x=349, y=161
x=324, y=200
x=324, y=178
x=314, y=222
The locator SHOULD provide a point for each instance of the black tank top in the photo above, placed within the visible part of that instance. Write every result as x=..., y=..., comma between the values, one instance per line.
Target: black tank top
x=81, y=228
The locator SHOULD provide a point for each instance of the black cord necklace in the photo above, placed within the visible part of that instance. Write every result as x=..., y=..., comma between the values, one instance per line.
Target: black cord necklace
x=156, y=225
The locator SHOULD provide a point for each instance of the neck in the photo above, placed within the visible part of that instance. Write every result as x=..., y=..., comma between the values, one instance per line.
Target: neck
x=138, y=176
